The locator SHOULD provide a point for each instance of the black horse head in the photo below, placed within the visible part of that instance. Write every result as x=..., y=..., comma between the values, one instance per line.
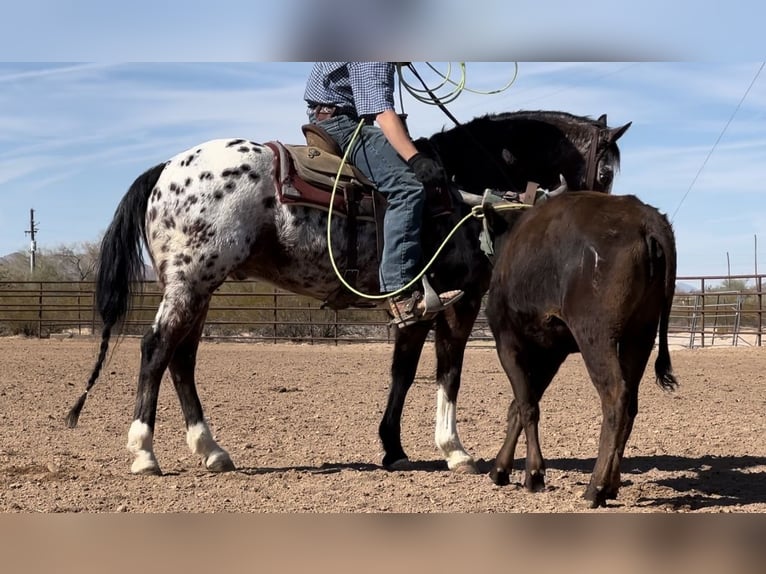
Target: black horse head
x=507, y=150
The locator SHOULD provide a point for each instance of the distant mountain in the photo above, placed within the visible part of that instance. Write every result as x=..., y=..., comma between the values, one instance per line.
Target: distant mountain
x=686, y=287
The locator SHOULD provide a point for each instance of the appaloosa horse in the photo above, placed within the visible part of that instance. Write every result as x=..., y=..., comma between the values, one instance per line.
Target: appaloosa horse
x=214, y=211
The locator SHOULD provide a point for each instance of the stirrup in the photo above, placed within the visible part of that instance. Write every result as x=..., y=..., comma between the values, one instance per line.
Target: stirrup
x=422, y=306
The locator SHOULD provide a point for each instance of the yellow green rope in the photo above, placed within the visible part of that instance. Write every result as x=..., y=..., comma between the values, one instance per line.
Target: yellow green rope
x=476, y=211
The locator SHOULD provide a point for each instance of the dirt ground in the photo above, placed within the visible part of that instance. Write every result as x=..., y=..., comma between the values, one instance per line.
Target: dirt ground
x=300, y=422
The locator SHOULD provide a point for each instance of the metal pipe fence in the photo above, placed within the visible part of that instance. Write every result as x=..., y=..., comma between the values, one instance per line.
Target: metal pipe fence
x=708, y=314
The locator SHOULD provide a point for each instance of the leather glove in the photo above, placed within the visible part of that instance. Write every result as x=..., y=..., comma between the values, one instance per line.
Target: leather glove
x=428, y=171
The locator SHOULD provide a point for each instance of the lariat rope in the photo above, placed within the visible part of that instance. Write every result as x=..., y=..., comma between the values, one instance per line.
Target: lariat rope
x=476, y=211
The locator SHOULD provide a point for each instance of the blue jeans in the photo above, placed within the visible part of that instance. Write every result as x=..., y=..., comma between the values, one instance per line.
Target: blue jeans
x=374, y=156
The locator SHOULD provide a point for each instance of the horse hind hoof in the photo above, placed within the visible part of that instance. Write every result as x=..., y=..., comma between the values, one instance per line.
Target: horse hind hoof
x=219, y=462
x=143, y=469
x=467, y=467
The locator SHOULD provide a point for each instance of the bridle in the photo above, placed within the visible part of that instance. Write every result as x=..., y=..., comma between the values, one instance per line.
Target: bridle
x=593, y=158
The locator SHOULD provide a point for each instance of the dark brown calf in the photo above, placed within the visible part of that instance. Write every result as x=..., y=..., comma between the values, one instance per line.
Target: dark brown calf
x=590, y=273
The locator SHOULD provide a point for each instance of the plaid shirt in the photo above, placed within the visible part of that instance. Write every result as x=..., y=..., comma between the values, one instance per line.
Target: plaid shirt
x=367, y=87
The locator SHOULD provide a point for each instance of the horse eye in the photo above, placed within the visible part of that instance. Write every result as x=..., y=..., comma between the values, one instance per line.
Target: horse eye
x=605, y=175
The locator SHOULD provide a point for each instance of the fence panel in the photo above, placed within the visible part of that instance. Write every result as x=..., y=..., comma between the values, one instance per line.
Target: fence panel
x=704, y=315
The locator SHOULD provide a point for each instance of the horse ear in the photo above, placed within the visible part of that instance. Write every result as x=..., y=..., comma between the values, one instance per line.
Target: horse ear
x=602, y=120
x=616, y=133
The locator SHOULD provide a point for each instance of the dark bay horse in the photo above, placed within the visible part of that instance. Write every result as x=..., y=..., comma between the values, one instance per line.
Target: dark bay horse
x=212, y=212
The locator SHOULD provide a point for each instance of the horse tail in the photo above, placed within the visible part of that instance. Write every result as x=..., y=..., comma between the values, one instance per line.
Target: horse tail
x=120, y=265
x=663, y=247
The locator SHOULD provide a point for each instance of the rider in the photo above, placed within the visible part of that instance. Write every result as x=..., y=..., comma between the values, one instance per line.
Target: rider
x=339, y=95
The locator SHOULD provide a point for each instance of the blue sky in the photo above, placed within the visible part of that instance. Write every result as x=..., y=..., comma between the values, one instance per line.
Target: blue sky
x=92, y=93
x=73, y=136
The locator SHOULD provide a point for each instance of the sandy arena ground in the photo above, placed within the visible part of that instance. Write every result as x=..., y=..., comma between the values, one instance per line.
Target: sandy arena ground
x=300, y=422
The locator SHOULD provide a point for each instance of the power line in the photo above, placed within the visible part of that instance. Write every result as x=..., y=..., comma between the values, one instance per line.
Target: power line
x=739, y=105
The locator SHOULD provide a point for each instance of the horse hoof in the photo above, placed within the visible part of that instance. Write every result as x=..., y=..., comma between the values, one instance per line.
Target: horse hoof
x=467, y=467
x=596, y=497
x=535, y=481
x=400, y=464
x=500, y=477
x=219, y=462
x=143, y=468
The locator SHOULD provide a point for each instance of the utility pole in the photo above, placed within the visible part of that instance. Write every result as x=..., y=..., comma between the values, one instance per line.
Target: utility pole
x=33, y=243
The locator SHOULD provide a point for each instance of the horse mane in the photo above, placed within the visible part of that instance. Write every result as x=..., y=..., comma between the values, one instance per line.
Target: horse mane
x=541, y=145
x=563, y=120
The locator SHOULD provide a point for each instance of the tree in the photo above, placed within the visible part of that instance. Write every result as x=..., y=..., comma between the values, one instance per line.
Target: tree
x=79, y=261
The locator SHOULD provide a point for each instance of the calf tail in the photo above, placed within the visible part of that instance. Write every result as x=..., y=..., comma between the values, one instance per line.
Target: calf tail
x=120, y=265
x=664, y=248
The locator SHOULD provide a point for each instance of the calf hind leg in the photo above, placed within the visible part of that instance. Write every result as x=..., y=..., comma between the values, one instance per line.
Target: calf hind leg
x=605, y=371
x=503, y=465
x=529, y=382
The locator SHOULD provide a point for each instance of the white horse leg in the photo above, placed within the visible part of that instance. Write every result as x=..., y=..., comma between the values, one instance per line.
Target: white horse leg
x=447, y=439
x=201, y=442
x=140, y=446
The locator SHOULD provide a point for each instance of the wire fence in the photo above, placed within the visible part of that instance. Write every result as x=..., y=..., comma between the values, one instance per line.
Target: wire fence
x=706, y=312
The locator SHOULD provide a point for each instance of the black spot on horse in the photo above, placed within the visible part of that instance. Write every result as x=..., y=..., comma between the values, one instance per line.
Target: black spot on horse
x=269, y=203
x=243, y=149
x=152, y=214
x=253, y=176
x=232, y=143
x=256, y=146
x=245, y=167
x=188, y=182
x=230, y=186
x=231, y=172
x=205, y=175
x=169, y=223
x=218, y=194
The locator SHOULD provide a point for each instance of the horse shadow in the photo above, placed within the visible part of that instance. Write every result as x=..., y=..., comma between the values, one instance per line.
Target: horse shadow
x=334, y=467
x=720, y=481
x=709, y=481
